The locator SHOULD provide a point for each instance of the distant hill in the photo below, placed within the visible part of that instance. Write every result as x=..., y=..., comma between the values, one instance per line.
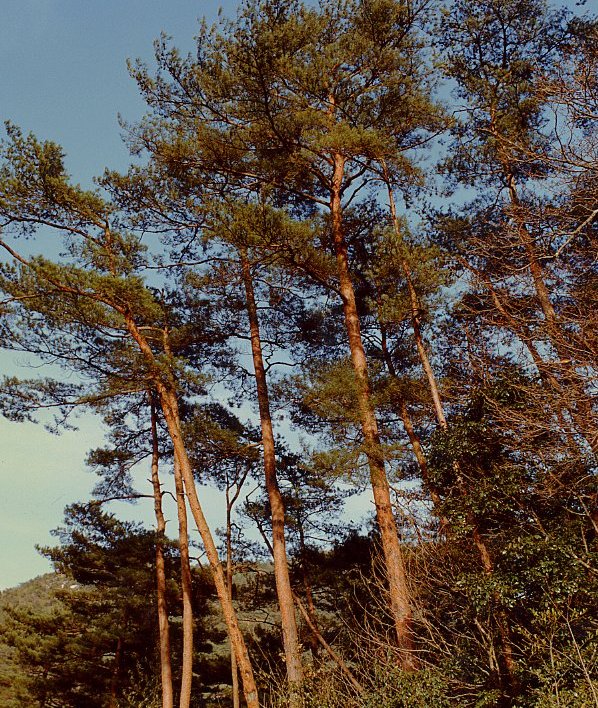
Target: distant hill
x=258, y=614
x=37, y=595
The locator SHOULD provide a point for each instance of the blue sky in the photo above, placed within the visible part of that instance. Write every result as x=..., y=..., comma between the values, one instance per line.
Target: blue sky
x=64, y=70
x=63, y=76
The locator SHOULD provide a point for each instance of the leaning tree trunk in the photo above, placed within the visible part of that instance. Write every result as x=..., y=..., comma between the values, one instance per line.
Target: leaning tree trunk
x=399, y=594
x=508, y=660
x=170, y=410
x=163, y=627
x=309, y=618
x=171, y=416
x=415, y=309
x=234, y=671
x=281, y=567
x=229, y=584
x=581, y=410
x=414, y=440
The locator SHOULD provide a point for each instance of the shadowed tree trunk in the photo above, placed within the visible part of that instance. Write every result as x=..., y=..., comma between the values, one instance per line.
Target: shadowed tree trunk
x=116, y=671
x=414, y=440
x=581, y=409
x=310, y=621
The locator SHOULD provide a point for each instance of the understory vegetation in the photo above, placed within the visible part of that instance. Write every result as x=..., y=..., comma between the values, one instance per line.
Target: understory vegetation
x=352, y=266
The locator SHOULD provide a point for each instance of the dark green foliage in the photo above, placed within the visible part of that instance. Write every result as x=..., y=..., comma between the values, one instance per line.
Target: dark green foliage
x=98, y=633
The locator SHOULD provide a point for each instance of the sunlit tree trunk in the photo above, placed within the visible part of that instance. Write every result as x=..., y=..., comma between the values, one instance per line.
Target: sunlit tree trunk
x=508, y=661
x=400, y=604
x=170, y=410
x=229, y=582
x=281, y=568
x=186, y=590
x=163, y=627
x=414, y=440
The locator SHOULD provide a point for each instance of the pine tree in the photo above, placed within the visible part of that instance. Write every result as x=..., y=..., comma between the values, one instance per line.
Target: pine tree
x=303, y=101
x=101, y=296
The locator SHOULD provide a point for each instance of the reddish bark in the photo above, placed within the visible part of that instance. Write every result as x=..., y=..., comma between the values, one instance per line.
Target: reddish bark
x=395, y=570
x=479, y=541
x=169, y=404
x=163, y=627
x=186, y=590
x=281, y=569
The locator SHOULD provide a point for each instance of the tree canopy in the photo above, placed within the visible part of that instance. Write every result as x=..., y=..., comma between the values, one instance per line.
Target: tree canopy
x=349, y=281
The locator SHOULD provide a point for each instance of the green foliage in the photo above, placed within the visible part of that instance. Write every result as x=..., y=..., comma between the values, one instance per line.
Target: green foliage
x=477, y=317
x=394, y=689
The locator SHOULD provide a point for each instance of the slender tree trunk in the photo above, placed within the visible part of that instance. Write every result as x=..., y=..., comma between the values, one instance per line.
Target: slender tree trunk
x=479, y=541
x=415, y=308
x=509, y=665
x=311, y=608
x=545, y=370
x=395, y=569
x=170, y=410
x=308, y=616
x=281, y=568
x=186, y=590
x=581, y=410
x=163, y=627
x=414, y=440
x=311, y=611
x=229, y=583
x=535, y=266
x=309, y=620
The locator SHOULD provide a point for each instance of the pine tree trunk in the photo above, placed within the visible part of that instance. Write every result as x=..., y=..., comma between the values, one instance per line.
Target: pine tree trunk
x=171, y=416
x=163, y=627
x=309, y=620
x=415, y=310
x=170, y=410
x=479, y=542
x=581, y=410
x=535, y=266
x=313, y=624
x=395, y=570
x=414, y=440
x=186, y=590
x=229, y=583
x=520, y=330
x=281, y=568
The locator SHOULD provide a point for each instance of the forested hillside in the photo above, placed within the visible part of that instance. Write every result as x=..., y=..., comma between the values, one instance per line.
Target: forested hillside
x=353, y=261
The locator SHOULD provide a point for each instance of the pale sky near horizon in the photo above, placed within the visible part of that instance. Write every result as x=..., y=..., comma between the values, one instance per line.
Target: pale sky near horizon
x=63, y=77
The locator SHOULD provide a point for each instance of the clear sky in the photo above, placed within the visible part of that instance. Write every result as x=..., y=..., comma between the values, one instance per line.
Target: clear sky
x=63, y=76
